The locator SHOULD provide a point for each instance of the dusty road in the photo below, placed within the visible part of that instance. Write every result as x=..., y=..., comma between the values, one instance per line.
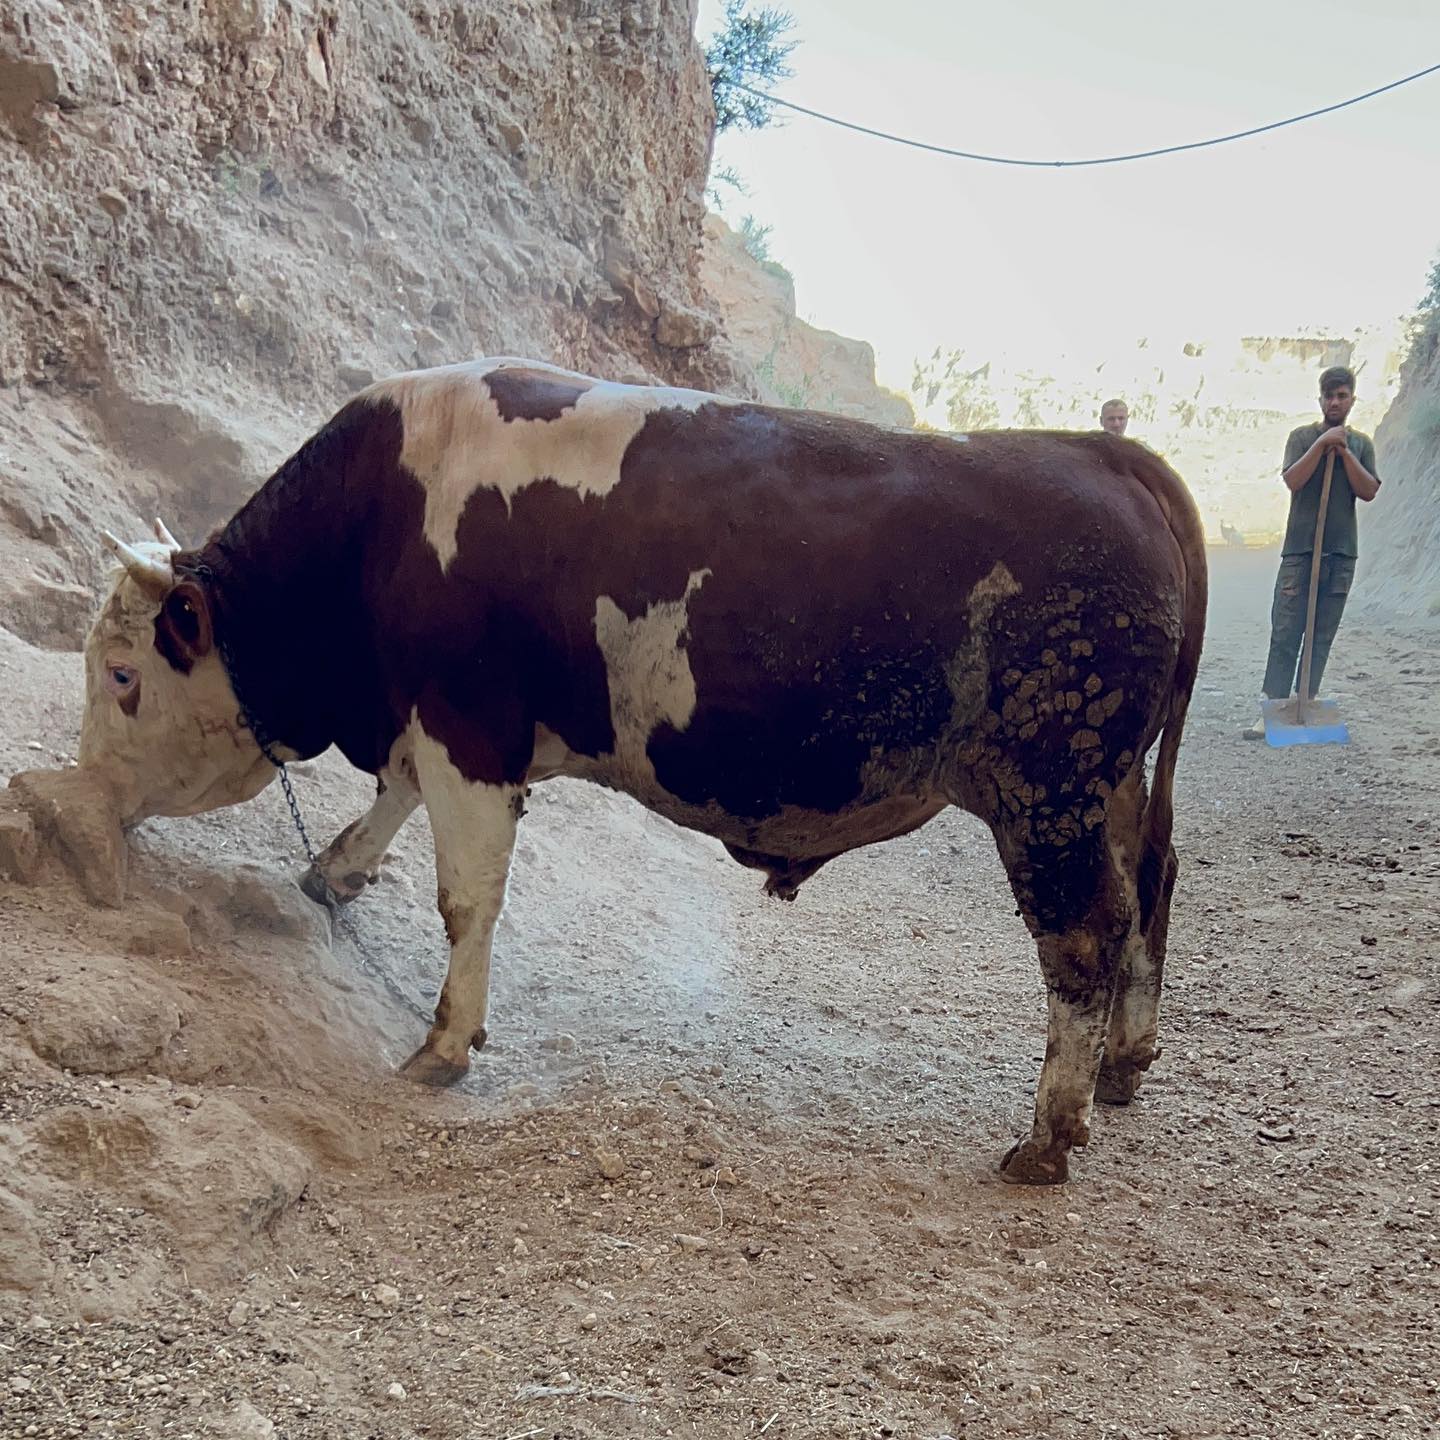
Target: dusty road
x=728, y=1168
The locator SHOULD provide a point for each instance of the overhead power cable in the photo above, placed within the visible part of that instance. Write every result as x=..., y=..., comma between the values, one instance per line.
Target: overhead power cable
x=1097, y=160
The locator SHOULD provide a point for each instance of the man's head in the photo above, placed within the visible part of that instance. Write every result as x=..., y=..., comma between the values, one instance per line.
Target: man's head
x=1337, y=394
x=161, y=719
x=1114, y=416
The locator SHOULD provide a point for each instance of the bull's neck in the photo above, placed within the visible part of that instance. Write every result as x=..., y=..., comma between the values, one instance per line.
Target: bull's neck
x=281, y=576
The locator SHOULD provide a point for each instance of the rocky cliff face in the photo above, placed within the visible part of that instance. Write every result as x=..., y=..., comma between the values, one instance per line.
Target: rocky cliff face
x=1400, y=561
x=273, y=189
x=217, y=219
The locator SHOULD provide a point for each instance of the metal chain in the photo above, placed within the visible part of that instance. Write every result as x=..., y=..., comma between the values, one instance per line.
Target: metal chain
x=339, y=919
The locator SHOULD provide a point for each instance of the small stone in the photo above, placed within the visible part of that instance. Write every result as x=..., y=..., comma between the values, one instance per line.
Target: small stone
x=188, y=1101
x=590, y=1321
x=113, y=203
x=519, y=1247
x=396, y=1391
x=239, y=1314
x=38, y=1322
x=387, y=1295
x=1275, y=1303
x=692, y=1244
x=20, y=1385
x=609, y=1164
x=19, y=847
x=647, y=1264
x=245, y=1422
x=681, y=327
x=354, y=376
x=726, y=1176
x=1073, y=1217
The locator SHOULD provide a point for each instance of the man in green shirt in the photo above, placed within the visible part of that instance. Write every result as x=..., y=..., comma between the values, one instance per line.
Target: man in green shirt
x=1354, y=479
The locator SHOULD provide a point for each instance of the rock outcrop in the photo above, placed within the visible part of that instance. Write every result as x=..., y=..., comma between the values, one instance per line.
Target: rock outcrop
x=794, y=363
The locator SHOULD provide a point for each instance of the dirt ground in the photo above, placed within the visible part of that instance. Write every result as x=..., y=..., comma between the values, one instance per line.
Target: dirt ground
x=728, y=1167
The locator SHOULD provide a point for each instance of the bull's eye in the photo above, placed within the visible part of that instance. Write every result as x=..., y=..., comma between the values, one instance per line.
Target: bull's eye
x=120, y=679
x=123, y=683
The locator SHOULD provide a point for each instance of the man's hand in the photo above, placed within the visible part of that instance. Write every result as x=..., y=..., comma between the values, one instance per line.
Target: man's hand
x=1337, y=437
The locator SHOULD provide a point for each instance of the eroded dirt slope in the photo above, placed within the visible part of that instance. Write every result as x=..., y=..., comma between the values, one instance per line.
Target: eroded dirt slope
x=728, y=1165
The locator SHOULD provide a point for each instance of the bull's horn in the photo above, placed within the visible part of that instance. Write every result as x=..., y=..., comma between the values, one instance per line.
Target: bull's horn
x=151, y=576
x=163, y=535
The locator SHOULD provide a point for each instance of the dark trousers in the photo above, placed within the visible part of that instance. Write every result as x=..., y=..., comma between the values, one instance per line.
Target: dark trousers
x=1287, y=620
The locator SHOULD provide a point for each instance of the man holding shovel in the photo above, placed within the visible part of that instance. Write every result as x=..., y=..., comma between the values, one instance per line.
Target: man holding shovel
x=1326, y=448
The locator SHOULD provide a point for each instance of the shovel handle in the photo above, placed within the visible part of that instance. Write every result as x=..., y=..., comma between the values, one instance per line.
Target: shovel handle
x=1307, y=654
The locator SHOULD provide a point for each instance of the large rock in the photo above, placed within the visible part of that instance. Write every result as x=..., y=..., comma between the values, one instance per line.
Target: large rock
x=19, y=848
x=103, y=1015
x=794, y=363
x=216, y=1177
x=76, y=814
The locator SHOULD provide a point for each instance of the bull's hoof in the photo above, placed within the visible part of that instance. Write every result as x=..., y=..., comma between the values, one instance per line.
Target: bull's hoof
x=1025, y=1163
x=429, y=1067
x=314, y=884
x=1118, y=1086
x=334, y=893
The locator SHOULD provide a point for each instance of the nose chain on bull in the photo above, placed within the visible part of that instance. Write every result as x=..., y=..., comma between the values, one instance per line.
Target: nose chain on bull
x=247, y=720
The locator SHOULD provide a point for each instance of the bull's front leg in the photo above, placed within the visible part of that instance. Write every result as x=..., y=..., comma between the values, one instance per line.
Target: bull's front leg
x=474, y=826
x=351, y=861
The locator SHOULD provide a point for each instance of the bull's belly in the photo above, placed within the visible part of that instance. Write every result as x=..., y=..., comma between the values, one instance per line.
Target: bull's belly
x=792, y=831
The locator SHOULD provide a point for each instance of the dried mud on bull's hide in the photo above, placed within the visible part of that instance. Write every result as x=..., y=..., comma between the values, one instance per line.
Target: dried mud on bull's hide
x=74, y=814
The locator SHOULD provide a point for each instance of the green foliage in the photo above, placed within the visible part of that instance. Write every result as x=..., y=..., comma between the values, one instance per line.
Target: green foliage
x=969, y=401
x=747, y=50
x=728, y=177
x=1430, y=304
x=1425, y=325
x=755, y=237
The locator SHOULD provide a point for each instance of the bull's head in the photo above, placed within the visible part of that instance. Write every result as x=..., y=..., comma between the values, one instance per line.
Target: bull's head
x=161, y=724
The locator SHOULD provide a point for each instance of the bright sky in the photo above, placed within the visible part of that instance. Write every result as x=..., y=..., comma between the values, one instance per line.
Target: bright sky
x=1333, y=222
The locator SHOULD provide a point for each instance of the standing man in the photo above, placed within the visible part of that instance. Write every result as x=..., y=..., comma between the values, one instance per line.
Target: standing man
x=1114, y=416
x=1304, y=473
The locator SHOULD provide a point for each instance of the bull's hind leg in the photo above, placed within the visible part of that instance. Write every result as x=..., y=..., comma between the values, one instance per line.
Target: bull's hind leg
x=474, y=826
x=351, y=861
x=1132, y=1045
x=1073, y=899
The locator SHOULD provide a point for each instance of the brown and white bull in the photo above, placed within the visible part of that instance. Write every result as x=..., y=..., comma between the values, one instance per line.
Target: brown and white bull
x=797, y=633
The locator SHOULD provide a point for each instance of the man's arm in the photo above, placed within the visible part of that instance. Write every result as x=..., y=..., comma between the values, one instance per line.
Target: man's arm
x=1362, y=480
x=1300, y=463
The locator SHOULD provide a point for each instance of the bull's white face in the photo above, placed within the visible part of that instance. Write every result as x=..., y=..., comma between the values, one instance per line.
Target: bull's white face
x=163, y=740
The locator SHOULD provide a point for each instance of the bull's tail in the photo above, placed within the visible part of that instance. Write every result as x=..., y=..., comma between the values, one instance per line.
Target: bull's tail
x=1157, y=864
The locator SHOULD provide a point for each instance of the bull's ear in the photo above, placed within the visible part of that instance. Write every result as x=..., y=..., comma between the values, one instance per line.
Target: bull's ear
x=183, y=629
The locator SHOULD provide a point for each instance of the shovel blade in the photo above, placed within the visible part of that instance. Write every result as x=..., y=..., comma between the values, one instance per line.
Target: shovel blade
x=1323, y=725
